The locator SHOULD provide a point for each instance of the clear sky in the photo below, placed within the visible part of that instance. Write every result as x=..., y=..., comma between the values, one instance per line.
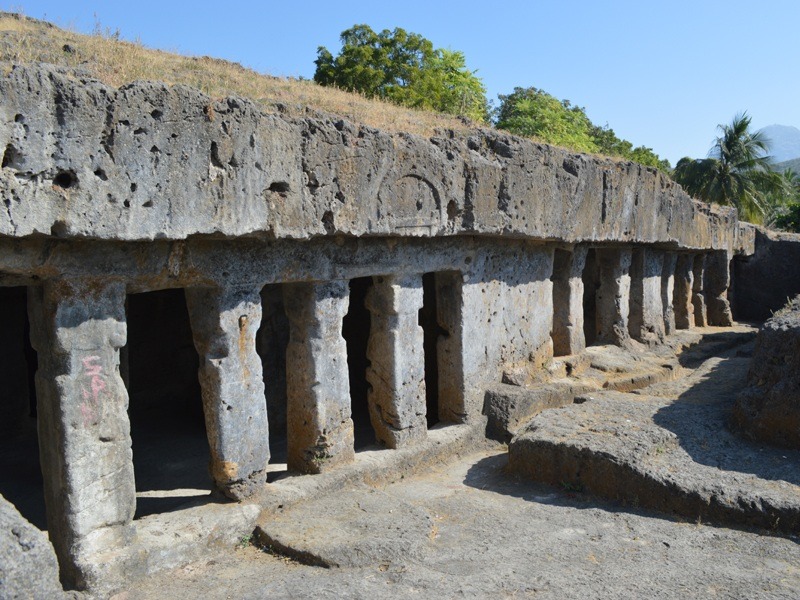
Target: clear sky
x=662, y=74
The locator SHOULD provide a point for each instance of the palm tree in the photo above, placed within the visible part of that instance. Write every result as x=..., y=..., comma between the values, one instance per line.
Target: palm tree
x=784, y=207
x=737, y=171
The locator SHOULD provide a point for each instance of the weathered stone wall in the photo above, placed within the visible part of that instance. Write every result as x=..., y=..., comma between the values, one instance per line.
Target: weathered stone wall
x=764, y=280
x=148, y=161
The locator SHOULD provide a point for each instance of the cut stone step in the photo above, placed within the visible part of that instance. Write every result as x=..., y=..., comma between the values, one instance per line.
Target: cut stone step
x=670, y=455
x=509, y=408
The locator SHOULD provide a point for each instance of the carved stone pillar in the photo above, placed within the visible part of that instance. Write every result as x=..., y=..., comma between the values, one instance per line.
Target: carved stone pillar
x=684, y=283
x=224, y=325
x=613, y=296
x=319, y=426
x=717, y=282
x=668, y=291
x=568, y=335
x=646, y=309
x=78, y=328
x=698, y=293
x=397, y=364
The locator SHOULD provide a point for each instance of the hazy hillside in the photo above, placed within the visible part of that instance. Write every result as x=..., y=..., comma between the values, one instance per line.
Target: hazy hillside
x=793, y=164
x=785, y=141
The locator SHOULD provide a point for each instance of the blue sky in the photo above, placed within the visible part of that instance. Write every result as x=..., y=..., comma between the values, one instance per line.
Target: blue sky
x=662, y=74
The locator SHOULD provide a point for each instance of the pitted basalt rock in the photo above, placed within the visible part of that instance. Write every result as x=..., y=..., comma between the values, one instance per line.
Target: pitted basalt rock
x=769, y=408
x=149, y=161
x=28, y=567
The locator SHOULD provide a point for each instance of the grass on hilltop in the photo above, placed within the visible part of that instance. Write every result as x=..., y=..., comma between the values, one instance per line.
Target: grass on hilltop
x=115, y=62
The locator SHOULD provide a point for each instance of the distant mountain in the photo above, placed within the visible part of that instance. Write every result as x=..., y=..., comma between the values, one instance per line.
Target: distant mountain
x=785, y=141
x=793, y=164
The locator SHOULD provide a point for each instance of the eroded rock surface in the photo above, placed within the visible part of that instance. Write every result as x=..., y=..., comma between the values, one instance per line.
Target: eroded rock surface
x=769, y=408
x=28, y=567
x=666, y=447
x=149, y=161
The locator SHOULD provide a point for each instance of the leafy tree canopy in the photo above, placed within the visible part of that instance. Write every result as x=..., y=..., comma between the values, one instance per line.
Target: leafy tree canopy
x=535, y=113
x=403, y=68
x=737, y=172
x=785, y=208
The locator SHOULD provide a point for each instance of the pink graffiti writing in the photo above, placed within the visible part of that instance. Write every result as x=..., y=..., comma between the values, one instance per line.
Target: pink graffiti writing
x=91, y=389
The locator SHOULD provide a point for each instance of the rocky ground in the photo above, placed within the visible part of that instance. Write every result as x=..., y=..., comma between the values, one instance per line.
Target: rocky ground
x=468, y=529
x=669, y=446
x=472, y=528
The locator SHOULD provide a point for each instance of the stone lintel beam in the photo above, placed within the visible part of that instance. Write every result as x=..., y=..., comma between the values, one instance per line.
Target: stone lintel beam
x=319, y=425
x=646, y=307
x=397, y=365
x=77, y=329
x=224, y=325
x=668, y=291
x=698, y=293
x=717, y=283
x=568, y=335
x=613, y=295
x=684, y=283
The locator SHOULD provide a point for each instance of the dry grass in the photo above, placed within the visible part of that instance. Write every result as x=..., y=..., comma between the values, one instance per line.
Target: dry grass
x=115, y=62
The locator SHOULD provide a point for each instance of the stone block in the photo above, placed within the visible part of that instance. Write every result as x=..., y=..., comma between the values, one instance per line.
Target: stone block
x=319, y=424
x=396, y=372
x=224, y=325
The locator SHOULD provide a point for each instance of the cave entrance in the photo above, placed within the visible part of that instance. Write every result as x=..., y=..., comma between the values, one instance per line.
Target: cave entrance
x=591, y=283
x=355, y=330
x=441, y=320
x=271, y=342
x=21, y=481
x=159, y=365
x=432, y=333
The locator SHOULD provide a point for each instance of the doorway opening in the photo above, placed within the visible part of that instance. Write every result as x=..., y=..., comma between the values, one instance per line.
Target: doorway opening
x=355, y=330
x=271, y=342
x=591, y=283
x=21, y=481
x=159, y=365
x=433, y=333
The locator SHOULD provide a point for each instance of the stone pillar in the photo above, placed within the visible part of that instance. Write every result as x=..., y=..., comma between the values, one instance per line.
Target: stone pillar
x=224, y=325
x=397, y=364
x=568, y=336
x=78, y=328
x=646, y=309
x=450, y=348
x=613, y=296
x=318, y=423
x=668, y=291
x=716, y=284
x=698, y=294
x=684, y=282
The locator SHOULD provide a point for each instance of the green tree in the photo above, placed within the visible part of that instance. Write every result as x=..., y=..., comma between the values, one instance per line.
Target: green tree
x=737, y=171
x=784, y=208
x=403, y=68
x=608, y=143
x=533, y=112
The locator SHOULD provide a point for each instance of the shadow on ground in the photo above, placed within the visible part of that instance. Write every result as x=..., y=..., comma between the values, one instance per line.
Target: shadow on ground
x=490, y=474
x=700, y=417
